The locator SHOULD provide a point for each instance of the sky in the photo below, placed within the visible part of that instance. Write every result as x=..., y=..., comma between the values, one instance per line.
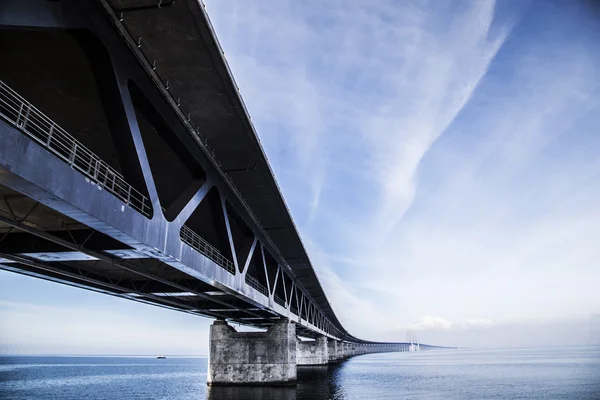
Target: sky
x=441, y=161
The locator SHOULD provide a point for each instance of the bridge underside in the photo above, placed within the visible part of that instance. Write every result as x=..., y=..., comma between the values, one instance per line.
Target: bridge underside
x=107, y=183
x=103, y=185
x=95, y=144
x=38, y=241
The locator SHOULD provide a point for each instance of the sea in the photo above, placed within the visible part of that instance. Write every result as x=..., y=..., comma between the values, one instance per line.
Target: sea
x=517, y=373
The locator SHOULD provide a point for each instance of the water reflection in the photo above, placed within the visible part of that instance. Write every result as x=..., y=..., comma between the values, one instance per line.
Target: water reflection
x=250, y=393
x=314, y=383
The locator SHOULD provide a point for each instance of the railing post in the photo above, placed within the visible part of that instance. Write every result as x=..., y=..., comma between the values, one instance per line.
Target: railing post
x=73, y=152
x=26, y=117
x=96, y=170
x=19, y=116
x=50, y=131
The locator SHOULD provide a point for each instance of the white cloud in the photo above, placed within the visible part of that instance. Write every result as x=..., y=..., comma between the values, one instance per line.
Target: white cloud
x=388, y=83
x=430, y=90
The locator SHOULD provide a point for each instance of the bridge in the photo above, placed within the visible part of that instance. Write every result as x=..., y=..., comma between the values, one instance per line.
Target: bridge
x=129, y=166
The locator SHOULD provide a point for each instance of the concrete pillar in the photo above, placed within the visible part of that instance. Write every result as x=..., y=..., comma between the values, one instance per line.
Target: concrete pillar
x=332, y=350
x=343, y=350
x=312, y=352
x=252, y=358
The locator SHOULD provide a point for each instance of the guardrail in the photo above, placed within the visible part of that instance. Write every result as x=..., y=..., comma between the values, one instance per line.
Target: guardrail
x=195, y=241
x=250, y=280
x=39, y=127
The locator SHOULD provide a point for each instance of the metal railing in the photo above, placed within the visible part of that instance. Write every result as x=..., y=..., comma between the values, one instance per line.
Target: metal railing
x=280, y=301
x=250, y=280
x=195, y=241
x=39, y=127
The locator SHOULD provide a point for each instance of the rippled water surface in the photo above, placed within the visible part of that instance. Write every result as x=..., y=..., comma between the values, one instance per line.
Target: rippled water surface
x=545, y=373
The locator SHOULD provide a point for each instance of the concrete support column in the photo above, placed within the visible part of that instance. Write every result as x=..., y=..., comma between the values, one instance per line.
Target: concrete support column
x=252, y=358
x=343, y=350
x=312, y=352
x=332, y=350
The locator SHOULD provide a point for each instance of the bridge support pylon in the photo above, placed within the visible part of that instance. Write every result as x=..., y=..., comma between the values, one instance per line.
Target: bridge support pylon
x=333, y=350
x=312, y=352
x=252, y=358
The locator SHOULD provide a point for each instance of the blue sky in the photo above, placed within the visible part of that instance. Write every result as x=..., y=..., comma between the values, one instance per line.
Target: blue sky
x=441, y=161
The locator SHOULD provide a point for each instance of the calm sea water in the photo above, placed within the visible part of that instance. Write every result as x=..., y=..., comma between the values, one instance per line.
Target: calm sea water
x=544, y=373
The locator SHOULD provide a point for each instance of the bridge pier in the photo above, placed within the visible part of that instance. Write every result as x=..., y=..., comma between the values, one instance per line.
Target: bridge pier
x=312, y=352
x=347, y=350
x=351, y=349
x=332, y=351
x=342, y=350
x=252, y=358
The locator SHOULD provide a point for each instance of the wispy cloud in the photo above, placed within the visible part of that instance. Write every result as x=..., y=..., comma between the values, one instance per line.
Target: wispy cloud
x=356, y=94
x=428, y=90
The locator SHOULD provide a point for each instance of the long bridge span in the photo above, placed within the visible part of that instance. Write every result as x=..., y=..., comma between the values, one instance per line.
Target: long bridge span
x=129, y=166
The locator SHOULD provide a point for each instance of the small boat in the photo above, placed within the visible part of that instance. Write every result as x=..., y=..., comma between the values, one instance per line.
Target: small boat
x=161, y=357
